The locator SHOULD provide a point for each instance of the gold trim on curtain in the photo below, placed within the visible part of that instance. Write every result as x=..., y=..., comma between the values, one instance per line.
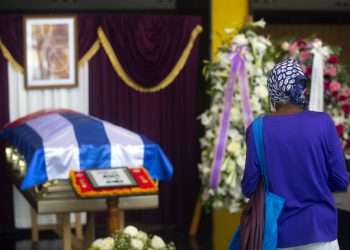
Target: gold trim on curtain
x=113, y=58
x=90, y=53
x=6, y=53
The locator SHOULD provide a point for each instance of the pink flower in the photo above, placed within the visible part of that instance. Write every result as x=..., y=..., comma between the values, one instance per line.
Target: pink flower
x=333, y=59
x=340, y=129
x=330, y=70
x=346, y=108
x=346, y=91
x=293, y=48
x=304, y=55
x=334, y=86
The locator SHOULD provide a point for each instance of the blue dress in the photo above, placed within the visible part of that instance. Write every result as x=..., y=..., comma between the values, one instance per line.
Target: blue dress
x=305, y=164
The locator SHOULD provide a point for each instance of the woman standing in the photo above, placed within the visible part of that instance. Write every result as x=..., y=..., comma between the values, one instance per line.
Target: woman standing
x=305, y=163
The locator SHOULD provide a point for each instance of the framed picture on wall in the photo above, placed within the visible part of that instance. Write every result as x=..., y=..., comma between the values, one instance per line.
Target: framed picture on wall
x=50, y=49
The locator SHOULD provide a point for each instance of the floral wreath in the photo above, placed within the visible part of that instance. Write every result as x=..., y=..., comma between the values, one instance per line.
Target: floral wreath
x=259, y=59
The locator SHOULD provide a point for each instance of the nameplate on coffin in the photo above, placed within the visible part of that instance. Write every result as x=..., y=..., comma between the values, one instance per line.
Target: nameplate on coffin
x=112, y=182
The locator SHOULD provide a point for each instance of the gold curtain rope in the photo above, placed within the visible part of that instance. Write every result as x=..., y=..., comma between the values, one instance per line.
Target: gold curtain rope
x=113, y=58
x=102, y=39
x=6, y=53
x=90, y=53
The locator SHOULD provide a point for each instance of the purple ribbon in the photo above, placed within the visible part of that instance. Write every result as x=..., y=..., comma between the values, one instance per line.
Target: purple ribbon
x=238, y=73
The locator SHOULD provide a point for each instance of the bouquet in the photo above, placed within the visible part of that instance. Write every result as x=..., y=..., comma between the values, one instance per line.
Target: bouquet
x=336, y=83
x=131, y=239
x=259, y=58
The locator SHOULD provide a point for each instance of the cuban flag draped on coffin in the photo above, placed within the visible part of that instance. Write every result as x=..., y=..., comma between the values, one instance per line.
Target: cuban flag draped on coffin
x=55, y=142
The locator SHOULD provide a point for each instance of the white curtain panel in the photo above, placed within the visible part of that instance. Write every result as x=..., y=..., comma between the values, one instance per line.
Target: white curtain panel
x=23, y=102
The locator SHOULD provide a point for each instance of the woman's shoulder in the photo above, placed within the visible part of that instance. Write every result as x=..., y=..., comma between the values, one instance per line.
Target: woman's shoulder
x=322, y=116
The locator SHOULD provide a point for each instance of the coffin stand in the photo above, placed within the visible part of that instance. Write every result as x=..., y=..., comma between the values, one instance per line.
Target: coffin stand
x=60, y=199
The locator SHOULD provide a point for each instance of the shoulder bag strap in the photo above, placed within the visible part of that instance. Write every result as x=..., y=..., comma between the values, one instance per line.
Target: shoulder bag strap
x=260, y=149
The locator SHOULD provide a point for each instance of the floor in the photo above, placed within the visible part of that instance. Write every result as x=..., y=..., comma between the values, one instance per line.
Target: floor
x=20, y=240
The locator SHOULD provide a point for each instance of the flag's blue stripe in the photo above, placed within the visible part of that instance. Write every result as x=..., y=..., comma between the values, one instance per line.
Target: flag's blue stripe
x=95, y=149
x=155, y=161
x=30, y=145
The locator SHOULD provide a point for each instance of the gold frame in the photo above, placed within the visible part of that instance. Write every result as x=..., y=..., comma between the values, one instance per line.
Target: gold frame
x=72, y=81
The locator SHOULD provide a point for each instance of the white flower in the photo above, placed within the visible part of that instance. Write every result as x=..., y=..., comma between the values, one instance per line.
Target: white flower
x=261, y=23
x=234, y=148
x=157, y=242
x=218, y=204
x=285, y=46
x=269, y=65
x=261, y=91
x=240, y=40
x=141, y=236
x=130, y=230
x=104, y=244
x=136, y=244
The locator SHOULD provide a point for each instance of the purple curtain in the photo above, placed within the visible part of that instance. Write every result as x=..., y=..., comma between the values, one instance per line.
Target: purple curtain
x=148, y=47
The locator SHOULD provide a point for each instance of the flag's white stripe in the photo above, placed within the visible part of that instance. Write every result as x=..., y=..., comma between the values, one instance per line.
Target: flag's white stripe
x=60, y=145
x=127, y=148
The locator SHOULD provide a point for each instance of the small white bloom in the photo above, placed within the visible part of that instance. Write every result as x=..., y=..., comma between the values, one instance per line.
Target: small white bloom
x=136, y=244
x=261, y=23
x=235, y=148
x=269, y=65
x=218, y=204
x=97, y=243
x=130, y=230
x=141, y=236
x=157, y=242
x=261, y=91
x=285, y=46
x=240, y=40
x=104, y=244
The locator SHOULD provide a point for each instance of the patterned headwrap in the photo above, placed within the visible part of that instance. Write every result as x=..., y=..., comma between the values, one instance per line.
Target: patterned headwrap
x=286, y=83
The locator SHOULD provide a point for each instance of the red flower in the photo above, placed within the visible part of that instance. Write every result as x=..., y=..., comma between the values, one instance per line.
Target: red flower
x=301, y=43
x=333, y=59
x=346, y=108
x=308, y=71
x=347, y=144
x=340, y=129
x=342, y=98
x=335, y=93
x=327, y=84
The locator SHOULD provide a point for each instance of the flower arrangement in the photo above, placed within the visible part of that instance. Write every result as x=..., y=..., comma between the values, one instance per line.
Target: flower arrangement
x=259, y=57
x=131, y=239
x=336, y=85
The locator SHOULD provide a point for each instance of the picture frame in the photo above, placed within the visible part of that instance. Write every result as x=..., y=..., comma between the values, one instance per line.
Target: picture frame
x=50, y=49
x=111, y=178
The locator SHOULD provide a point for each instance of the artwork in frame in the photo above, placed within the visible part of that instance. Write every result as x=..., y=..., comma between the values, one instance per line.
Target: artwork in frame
x=50, y=46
